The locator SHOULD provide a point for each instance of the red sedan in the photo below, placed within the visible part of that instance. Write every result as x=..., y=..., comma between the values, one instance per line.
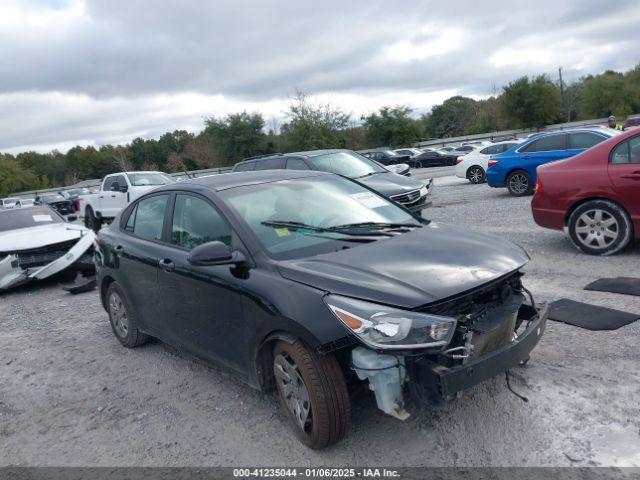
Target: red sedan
x=594, y=195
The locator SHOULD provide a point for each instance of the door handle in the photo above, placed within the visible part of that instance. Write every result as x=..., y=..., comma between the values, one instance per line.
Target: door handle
x=119, y=250
x=526, y=157
x=167, y=265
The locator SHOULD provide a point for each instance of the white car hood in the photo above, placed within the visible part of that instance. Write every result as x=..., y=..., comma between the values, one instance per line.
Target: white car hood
x=40, y=236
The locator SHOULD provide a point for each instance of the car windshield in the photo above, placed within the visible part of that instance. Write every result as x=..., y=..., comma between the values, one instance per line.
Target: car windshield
x=21, y=218
x=335, y=211
x=391, y=153
x=145, y=179
x=348, y=164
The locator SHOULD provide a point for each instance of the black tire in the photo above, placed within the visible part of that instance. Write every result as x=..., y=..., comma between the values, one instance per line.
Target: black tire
x=600, y=227
x=329, y=410
x=91, y=221
x=417, y=164
x=519, y=183
x=476, y=174
x=129, y=336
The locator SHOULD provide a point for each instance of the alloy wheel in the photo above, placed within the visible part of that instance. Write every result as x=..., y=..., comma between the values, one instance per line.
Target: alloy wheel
x=118, y=315
x=597, y=229
x=518, y=183
x=293, y=389
x=476, y=175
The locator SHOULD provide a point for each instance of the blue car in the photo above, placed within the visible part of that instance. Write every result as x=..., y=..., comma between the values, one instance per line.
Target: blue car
x=515, y=169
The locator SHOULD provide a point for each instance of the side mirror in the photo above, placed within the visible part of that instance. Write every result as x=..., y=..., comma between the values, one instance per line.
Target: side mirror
x=115, y=187
x=72, y=218
x=214, y=253
x=124, y=189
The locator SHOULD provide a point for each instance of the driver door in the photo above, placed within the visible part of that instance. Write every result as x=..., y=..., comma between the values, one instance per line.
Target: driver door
x=202, y=304
x=114, y=199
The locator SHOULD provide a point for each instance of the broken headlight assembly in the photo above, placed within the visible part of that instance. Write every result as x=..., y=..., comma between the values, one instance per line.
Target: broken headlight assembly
x=382, y=327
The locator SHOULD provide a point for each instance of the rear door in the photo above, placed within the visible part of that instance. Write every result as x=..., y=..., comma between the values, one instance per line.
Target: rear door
x=137, y=256
x=624, y=172
x=542, y=150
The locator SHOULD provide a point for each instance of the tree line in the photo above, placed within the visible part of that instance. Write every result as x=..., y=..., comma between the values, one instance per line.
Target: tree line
x=528, y=102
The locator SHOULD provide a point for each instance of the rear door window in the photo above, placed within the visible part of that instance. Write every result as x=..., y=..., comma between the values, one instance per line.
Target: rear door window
x=148, y=220
x=270, y=163
x=296, y=164
x=546, y=144
x=627, y=151
x=245, y=167
x=583, y=140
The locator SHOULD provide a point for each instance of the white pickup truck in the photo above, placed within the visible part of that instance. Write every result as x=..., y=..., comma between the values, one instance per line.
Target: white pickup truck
x=116, y=192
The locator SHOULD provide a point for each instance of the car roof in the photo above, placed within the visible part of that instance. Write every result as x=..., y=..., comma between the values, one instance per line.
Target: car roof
x=225, y=181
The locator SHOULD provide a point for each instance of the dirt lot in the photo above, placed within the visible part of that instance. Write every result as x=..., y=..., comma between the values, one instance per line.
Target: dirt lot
x=71, y=395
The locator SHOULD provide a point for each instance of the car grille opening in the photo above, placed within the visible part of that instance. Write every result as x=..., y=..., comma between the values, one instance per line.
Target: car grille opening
x=409, y=197
x=38, y=257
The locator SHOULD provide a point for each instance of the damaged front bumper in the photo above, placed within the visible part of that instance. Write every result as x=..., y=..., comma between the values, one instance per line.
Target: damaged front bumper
x=431, y=384
x=14, y=272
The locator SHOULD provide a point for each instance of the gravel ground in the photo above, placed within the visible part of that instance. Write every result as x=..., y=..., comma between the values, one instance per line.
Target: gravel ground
x=70, y=395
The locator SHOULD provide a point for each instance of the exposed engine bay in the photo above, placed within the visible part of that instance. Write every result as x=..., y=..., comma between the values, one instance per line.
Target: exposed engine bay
x=493, y=323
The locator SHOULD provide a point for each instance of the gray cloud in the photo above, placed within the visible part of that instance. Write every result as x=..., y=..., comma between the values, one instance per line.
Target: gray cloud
x=124, y=54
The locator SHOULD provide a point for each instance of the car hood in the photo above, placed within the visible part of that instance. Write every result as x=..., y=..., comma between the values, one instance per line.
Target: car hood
x=390, y=184
x=414, y=269
x=36, y=237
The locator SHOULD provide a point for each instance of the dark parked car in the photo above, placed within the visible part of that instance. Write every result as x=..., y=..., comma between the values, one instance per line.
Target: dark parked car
x=409, y=192
x=295, y=280
x=427, y=158
x=595, y=195
x=56, y=201
x=388, y=157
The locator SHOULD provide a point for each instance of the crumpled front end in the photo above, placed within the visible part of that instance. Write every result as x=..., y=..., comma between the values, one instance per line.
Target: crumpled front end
x=21, y=266
x=497, y=327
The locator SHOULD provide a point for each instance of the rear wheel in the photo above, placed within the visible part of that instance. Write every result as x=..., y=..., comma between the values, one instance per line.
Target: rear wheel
x=313, y=393
x=123, y=322
x=519, y=183
x=600, y=227
x=417, y=164
x=475, y=174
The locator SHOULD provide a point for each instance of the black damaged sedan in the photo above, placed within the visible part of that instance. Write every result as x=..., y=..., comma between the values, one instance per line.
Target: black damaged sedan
x=307, y=283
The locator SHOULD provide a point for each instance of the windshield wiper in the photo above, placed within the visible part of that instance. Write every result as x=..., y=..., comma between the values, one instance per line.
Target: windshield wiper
x=303, y=226
x=367, y=175
x=376, y=225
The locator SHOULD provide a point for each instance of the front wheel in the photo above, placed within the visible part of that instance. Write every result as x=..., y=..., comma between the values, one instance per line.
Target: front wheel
x=600, y=227
x=519, y=183
x=475, y=174
x=313, y=393
x=417, y=164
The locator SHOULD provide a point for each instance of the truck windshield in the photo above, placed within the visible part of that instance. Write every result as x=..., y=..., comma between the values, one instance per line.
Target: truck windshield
x=144, y=179
x=25, y=218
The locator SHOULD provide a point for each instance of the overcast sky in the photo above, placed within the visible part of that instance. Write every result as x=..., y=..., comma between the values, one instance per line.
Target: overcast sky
x=106, y=71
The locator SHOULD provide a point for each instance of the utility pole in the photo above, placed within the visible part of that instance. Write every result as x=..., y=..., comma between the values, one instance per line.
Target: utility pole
x=564, y=108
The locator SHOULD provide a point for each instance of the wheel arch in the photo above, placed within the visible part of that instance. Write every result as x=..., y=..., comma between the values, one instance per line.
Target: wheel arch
x=513, y=170
x=582, y=201
x=104, y=286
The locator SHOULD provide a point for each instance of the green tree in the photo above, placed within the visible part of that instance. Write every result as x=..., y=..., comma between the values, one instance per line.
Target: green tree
x=454, y=117
x=313, y=126
x=236, y=136
x=392, y=127
x=14, y=177
x=532, y=102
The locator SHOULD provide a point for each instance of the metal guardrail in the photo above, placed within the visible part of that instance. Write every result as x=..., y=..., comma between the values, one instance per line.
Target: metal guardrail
x=442, y=142
x=427, y=143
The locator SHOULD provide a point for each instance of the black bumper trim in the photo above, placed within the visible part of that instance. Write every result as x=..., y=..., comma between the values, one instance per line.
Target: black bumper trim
x=434, y=384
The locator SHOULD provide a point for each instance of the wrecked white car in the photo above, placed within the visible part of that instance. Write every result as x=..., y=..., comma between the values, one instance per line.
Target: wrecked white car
x=37, y=243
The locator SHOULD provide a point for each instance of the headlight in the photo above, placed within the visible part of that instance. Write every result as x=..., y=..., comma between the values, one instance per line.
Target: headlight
x=423, y=191
x=389, y=328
